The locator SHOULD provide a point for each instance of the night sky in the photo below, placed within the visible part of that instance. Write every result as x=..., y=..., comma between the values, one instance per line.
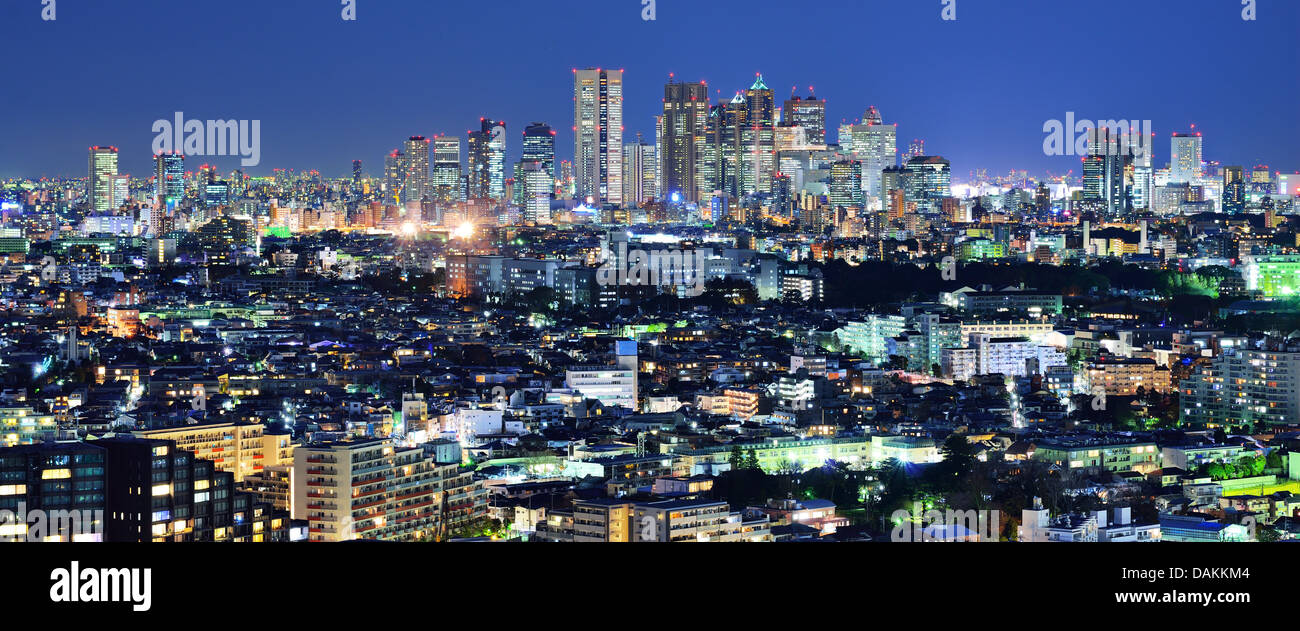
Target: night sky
x=327, y=91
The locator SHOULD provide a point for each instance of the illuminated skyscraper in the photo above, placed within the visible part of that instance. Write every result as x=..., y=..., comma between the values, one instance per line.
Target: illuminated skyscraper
x=356, y=175
x=446, y=168
x=169, y=177
x=846, y=183
x=102, y=169
x=537, y=187
x=683, y=139
x=876, y=145
x=1185, y=158
x=1234, y=189
x=216, y=194
x=1104, y=170
x=415, y=169
x=758, y=140
x=640, y=171
x=598, y=134
x=393, y=164
x=809, y=113
x=539, y=146
x=487, y=161
x=928, y=178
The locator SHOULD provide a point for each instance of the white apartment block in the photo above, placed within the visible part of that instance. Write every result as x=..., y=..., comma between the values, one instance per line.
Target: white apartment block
x=375, y=490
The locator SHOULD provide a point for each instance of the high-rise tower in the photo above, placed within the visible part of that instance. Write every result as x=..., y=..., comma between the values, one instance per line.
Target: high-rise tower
x=101, y=173
x=683, y=138
x=598, y=135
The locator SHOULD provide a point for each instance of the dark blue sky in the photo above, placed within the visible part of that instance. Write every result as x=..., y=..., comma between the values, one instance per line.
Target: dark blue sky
x=327, y=91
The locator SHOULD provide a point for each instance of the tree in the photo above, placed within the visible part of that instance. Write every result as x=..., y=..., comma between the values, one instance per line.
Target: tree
x=1268, y=534
x=1276, y=459
x=751, y=460
x=958, y=455
x=736, y=459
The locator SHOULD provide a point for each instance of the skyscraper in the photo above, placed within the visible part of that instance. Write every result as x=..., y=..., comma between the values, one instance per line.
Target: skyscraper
x=758, y=140
x=846, y=183
x=1104, y=170
x=487, y=161
x=393, y=164
x=539, y=146
x=929, y=178
x=598, y=135
x=537, y=187
x=1185, y=158
x=415, y=169
x=684, y=135
x=446, y=168
x=169, y=177
x=809, y=113
x=1234, y=189
x=356, y=175
x=640, y=169
x=102, y=170
x=876, y=145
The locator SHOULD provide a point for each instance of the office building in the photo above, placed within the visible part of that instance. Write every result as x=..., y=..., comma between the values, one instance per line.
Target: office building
x=598, y=135
x=415, y=169
x=487, y=161
x=1185, y=159
x=446, y=174
x=102, y=171
x=683, y=140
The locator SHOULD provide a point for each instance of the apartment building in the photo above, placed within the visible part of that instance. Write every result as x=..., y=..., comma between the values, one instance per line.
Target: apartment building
x=156, y=492
x=696, y=520
x=373, y=489
x=1190, y=458
x=243, y=449
x=1244, y=387
x=1099, y=455
x=24, y=426
x=742, y=403
x=685, y=520
x=1122, y=377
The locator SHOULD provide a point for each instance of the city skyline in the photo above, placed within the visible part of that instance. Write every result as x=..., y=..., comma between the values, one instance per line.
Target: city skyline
x=946, y=113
